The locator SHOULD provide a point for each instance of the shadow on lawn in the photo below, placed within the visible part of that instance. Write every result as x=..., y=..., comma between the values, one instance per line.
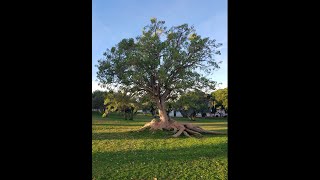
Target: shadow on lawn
x=178, y=154
x=142, y=135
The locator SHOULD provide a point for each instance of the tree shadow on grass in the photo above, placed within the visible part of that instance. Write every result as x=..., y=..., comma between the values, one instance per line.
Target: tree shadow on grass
x=166, y=163
x=166, y=154
x=143, y=135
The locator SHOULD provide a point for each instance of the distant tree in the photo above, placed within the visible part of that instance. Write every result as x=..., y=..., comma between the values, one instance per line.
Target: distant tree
x=192, y=103
x=98, y=100
x=161, y=63
x=220, y=98
x=122, y=102
x=147, y=105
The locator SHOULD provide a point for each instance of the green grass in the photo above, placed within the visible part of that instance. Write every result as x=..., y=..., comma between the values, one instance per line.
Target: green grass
x=118, y=152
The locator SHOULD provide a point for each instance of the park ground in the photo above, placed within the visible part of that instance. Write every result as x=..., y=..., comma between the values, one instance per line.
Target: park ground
x=119, y=152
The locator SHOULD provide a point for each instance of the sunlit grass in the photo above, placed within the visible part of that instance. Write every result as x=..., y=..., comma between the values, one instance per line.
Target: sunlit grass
x=119, y=152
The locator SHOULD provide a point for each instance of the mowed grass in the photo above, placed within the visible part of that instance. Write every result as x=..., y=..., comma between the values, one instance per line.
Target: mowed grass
x=118, y=152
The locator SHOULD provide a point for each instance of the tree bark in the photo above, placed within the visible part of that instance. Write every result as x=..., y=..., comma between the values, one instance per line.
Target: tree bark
x=164, y=118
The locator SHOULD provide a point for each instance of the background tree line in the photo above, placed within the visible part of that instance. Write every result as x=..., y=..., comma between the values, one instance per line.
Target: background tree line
x=188, y=104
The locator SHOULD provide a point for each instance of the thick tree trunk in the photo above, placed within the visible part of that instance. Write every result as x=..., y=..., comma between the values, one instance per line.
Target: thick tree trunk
x=162, y=112
x=164, y=118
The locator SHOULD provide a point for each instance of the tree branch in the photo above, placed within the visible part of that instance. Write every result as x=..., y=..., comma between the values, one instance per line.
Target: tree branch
x=166, y=93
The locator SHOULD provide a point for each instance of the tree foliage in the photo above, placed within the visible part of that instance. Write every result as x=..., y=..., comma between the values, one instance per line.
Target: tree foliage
x=122, y=102
x=147, y=105
x=98, y=100
x=192, y=103
x=220, y=97
x=161, y=62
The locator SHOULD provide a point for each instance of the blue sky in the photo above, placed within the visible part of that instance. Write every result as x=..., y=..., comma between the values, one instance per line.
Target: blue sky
x=113, y=20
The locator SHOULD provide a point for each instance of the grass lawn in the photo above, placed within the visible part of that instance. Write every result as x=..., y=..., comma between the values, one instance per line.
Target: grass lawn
x=120, y=153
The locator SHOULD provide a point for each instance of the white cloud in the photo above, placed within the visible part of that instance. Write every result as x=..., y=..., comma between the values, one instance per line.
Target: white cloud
x=95, y=86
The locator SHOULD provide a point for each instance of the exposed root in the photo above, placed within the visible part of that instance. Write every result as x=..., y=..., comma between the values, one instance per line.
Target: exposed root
x=186, y=134
x=193, y=132
x=174, y=130
x=187, y=129
x=199, y=129
x=144, y=127
x=179, y=132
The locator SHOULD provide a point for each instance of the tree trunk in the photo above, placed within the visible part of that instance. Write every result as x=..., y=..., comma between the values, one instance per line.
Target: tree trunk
x=164, y=118
x=131, y=115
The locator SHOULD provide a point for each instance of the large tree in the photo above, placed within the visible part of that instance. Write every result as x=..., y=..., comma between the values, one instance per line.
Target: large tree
x=161, y=63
